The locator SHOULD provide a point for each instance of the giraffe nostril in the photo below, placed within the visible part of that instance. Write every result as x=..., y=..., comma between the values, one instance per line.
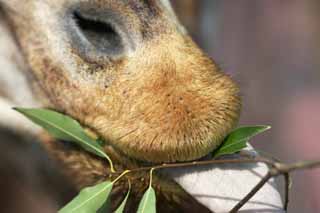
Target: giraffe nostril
x=101, y=35
x=98, y=35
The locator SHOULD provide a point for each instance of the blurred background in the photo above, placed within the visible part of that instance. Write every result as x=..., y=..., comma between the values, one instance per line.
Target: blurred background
x=272, y=48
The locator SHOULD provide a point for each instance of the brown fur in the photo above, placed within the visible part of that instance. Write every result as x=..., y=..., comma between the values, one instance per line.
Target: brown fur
x=164, y=101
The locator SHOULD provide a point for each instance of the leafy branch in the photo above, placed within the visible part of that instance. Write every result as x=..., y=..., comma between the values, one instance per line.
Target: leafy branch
x=275, y=169
x=92, y=199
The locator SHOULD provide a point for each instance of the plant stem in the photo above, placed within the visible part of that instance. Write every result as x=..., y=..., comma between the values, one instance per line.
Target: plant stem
x=202, y=163
x=275, y=169
x=287, y=180
x=241, y=203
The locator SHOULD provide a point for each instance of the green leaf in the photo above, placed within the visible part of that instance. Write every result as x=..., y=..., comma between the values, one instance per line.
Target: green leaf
x=238, y=139
x=231, y=149
x=120, y=209
x=148, y=202
x=90, y=199
x=64, y=128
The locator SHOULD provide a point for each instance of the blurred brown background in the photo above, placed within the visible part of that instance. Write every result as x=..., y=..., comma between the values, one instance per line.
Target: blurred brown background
x=272, y=48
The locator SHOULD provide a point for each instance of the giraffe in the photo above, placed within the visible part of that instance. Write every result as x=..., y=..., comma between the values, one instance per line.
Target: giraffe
x=126, y=70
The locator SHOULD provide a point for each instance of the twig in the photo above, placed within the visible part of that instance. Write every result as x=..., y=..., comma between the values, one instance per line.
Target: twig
x=202, y=163
x=263, y=181
x=286, y=168
x=276, y=170
x=287, y=180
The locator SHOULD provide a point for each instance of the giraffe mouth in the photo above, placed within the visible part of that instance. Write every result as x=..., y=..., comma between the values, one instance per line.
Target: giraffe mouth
x=160, y=127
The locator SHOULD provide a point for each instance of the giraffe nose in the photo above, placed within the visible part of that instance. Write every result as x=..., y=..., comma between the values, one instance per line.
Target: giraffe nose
x=98, y=34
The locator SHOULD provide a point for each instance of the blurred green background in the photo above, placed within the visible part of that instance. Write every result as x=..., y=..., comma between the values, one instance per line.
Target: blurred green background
x=272, y=49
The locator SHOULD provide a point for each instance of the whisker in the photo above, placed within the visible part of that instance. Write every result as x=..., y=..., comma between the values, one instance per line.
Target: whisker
x=127, y=134
x=154, y=138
